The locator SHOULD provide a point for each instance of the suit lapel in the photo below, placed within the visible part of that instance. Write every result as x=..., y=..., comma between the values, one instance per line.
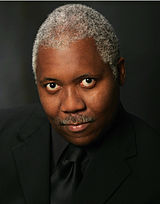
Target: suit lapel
x=31, y=156
x=105, y=174
x=108, y=169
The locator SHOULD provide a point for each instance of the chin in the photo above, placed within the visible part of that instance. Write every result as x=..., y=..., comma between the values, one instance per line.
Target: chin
x=80, y=140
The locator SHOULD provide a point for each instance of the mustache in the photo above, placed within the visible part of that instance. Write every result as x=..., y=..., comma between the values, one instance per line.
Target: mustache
x=77, y=119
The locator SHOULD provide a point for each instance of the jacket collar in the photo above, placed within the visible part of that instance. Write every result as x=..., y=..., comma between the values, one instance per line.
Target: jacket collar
x=108, y=169
x=32, y=157
x=106, y=172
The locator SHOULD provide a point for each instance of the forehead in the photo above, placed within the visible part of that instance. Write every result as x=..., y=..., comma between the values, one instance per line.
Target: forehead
x=80, y=56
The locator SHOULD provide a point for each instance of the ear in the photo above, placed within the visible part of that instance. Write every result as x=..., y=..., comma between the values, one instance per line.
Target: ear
x=121, y=71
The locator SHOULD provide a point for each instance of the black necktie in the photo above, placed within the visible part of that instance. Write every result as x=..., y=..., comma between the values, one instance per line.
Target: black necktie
x=67, y=176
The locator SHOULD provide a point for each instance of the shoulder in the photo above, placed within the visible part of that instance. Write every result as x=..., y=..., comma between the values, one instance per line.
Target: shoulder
x=17, y=116
x=140, y=130
x=147, y=143
x=143, y=131
x=19, y=121
x=15, y=111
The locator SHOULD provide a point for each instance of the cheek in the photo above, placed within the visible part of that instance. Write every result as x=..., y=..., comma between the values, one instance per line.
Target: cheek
x=50, y=103
x=102, y=99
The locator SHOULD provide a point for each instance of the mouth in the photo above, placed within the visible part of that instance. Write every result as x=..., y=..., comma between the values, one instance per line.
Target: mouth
x=77, y=127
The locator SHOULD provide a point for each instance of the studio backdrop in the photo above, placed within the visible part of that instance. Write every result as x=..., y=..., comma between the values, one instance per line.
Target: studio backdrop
x=137, y=27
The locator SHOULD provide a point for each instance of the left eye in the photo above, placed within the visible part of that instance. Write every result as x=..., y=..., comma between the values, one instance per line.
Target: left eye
x=88, y=83
x=52, y=86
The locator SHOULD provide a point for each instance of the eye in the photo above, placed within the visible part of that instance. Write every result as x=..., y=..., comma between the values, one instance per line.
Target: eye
x=88, y=83
x=52, y=87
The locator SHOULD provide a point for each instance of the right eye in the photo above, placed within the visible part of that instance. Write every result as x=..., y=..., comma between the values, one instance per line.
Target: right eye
x=88, y=83
x=52, y=87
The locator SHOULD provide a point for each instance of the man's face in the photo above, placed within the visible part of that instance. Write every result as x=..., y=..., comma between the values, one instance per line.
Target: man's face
x=77, y=90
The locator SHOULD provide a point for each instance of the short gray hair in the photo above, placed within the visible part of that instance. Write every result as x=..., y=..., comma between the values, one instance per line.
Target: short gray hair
x=73, y=22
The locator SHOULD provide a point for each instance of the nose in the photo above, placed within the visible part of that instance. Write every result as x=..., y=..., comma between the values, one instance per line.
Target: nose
x=72, y=102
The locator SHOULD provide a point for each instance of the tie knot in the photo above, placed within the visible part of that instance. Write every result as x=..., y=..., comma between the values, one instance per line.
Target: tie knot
x=74, y=153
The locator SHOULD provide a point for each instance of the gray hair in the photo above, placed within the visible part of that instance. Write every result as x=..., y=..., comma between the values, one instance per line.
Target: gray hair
x=73, y=22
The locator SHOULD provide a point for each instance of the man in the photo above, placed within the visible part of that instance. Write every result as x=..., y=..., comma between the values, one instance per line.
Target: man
x=88, y=150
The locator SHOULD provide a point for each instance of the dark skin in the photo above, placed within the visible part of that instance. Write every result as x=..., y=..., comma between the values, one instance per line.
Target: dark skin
x=74, y=83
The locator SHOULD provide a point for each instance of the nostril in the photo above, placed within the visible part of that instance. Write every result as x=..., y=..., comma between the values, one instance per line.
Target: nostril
x=74, y=111
x=73, y=108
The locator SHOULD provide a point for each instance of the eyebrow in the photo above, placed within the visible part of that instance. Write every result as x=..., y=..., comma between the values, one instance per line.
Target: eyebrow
x=79, y=78
x=49, y=79
x=88, y=75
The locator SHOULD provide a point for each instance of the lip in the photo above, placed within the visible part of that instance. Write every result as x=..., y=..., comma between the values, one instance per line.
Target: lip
x=77, y=127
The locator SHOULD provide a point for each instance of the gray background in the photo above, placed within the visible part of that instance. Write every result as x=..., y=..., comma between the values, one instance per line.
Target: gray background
x=137, y=26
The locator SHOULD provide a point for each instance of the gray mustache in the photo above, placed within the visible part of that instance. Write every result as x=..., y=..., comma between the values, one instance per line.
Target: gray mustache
x=75, y=119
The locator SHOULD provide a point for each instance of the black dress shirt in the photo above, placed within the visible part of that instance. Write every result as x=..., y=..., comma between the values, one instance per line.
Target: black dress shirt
x=58, y=146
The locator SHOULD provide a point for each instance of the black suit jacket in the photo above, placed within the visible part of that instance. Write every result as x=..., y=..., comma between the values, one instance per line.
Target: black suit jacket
x=124, y=170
